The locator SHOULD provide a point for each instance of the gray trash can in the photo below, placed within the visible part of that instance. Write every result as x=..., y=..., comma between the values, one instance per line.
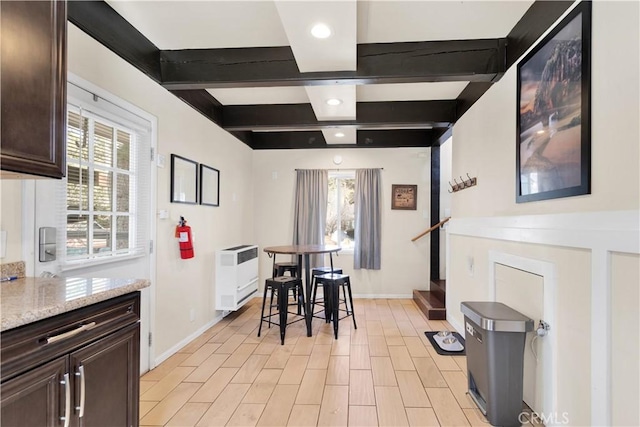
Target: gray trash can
x=495, y=337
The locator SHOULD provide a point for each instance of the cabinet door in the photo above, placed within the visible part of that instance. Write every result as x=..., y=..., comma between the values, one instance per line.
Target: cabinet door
x=107, y=375
x=37, y=397
x=33, y=85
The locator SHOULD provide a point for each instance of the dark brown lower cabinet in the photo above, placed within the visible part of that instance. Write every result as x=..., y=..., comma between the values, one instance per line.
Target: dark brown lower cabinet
x=107, y=376
x=84, y=379
x=33, y=398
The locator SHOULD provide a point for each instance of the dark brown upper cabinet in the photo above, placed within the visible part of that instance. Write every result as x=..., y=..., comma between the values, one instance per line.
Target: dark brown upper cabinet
x=33, y=89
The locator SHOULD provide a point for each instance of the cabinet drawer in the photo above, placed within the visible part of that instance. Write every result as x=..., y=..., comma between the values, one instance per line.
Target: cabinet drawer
x=31, y=345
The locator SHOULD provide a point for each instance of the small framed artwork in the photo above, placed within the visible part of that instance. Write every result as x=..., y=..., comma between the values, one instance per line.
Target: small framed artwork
x=184, y=180
x=404, y=197
x=554, y=106
x=209, y=186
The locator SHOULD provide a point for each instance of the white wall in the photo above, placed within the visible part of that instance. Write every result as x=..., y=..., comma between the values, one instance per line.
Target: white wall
x=577, y=234
x=445, y=198
x=405, y=264
x=181, y=285
x=11, y=218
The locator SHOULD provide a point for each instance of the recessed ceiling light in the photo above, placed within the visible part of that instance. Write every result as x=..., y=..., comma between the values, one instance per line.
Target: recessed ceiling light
x=334, y=101
x=338, y=134
x=321, y=31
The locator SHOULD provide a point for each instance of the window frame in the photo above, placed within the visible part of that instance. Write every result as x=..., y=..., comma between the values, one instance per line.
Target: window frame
x=82, y=94
x=92, y=167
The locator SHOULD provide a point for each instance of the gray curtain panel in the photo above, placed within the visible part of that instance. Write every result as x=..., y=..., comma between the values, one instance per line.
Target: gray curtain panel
x=368, y=218
x=310, y=209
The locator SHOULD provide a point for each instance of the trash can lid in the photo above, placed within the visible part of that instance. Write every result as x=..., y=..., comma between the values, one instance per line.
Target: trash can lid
x=495, y=316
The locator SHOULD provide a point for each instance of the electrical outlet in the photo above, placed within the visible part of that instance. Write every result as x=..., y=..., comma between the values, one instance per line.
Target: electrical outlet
x=469, y=329
x=192, y=315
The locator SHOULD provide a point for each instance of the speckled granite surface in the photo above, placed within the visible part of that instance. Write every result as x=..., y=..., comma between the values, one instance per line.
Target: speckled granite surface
x=30, y=299
x=12, y=269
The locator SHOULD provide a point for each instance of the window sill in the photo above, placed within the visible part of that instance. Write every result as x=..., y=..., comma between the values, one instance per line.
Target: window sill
x=80, y=264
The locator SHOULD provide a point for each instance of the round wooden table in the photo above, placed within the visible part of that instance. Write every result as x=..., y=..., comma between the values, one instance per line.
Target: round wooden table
x=304, y=252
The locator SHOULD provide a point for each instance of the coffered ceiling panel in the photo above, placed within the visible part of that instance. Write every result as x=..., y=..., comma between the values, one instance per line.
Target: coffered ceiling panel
x=204, y=24
x=406, y=21
x=410, y=91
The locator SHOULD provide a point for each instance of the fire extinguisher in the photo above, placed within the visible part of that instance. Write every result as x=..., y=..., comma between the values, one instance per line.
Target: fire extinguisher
x=183, y=234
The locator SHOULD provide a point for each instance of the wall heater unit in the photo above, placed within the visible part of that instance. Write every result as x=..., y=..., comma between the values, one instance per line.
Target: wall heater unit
x=236, y=276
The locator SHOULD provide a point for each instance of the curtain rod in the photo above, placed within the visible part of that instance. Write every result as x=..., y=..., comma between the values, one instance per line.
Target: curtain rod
x=338, y=169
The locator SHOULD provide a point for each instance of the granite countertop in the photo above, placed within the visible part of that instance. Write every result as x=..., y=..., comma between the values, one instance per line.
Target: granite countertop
x=30, y=299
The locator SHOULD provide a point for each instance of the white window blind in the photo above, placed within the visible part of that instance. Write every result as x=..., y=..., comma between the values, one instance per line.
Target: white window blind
x=106, y=198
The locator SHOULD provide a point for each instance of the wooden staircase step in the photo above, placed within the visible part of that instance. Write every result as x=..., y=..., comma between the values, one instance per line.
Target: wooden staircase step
x=430, y=304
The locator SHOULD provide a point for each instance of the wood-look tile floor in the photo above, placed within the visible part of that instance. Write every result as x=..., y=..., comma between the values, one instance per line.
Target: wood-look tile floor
x=383, y=373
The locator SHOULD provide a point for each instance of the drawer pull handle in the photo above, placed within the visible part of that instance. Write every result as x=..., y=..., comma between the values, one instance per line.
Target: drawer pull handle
x=67, y=400
x=71, y=333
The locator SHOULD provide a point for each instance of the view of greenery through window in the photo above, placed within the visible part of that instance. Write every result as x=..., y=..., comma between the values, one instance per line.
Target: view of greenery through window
x=339, y=228
x=98, y=155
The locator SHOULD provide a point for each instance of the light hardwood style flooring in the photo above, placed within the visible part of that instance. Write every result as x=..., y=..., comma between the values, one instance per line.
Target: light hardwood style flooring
x=383, y=373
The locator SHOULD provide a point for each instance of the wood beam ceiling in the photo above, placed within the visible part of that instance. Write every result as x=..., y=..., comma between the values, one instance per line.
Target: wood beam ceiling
x=414, y=62
x=187, y=72
x=370, y=115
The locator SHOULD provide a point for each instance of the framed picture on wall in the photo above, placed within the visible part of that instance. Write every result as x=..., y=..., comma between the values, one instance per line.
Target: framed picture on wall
x=554, y=107
x=184, y=180
x=209, y=186
x=404, y=197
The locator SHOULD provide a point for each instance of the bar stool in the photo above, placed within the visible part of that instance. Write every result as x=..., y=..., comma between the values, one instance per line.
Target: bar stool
x=333, y=282
x=318, y=271
x=281, y=286
x=279, y=268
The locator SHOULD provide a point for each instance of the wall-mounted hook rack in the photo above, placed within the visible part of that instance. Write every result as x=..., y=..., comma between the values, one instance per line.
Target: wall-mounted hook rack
x=464, y=183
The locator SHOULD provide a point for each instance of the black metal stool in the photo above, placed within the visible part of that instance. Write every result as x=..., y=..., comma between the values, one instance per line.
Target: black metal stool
x=333, y=282
x=319, y=271
x=279, y=268
x=281, y=286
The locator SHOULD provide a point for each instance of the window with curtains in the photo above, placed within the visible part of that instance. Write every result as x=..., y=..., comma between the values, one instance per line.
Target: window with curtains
x=340, y=223
x=103, y=187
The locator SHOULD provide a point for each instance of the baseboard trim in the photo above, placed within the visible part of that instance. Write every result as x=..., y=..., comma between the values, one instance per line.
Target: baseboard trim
x=173, y=350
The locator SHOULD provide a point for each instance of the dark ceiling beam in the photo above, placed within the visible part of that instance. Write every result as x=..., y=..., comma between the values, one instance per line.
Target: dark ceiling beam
x=410, y=62
x=398, y=114
x=203, y=102
x=364, y=139
x=395, y=138
x=100, y=21
x=287, y=140
x=535, y=22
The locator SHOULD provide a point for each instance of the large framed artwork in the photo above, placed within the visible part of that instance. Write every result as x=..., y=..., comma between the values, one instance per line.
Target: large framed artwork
x=553, y=120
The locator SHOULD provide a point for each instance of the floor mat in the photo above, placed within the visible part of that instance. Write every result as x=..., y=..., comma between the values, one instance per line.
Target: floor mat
x=443, y=352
